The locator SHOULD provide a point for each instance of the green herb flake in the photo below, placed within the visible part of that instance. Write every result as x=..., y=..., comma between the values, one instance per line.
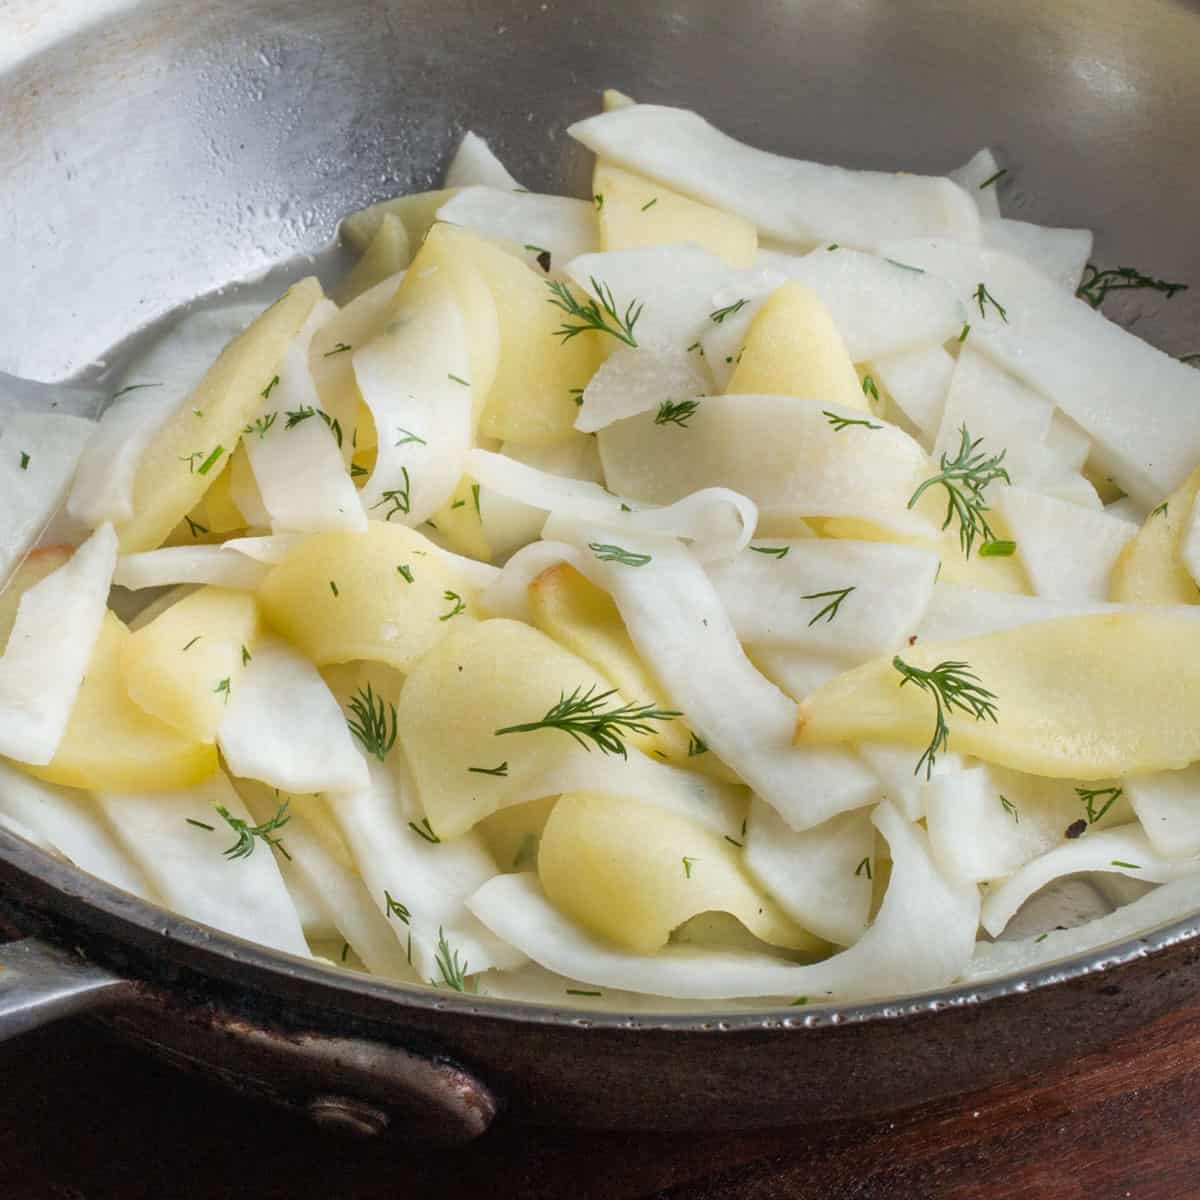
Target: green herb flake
x=840, y=423
x=606, y=552
x=211, y=461
x=831, y=609
x=582, y=718
x=983, y=297
x=372, y=722
x=425, y=831
x=952, y=685
x=457, y=605
x=719, y=316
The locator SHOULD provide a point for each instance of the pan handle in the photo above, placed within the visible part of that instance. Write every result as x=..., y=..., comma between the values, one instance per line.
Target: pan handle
x=350, y=1084
x=40, y=983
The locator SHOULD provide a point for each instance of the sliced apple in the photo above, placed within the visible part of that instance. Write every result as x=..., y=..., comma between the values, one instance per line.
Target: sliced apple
x=1150, y=569
x=184, y=665
x=385, y=595
x=111, y=744
x=636, y=211
x=635, y=873
x=1089, y=697
x=793, y=348
x=189, y=452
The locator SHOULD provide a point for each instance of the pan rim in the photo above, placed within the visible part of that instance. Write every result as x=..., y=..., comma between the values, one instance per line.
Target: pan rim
x=86, y=900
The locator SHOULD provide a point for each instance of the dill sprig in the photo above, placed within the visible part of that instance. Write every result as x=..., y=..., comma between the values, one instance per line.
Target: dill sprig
x=246, y=833
x=618, y=554
x=425, y=830
x=1097, y=283
x=773, y=551
x=298, y=415
x=840, y=423
x=728, y=311
x=982, y=296
x=451, y=967
x=457, y=605
x=393, y=908
x=261, y=426
x=696, y=746
x=340, y=348
x=688, y=863
x=864, y=867
x=965, y=476
x=991, y=179
x=372, y=724
x=582, y=716
x=676, y=412
x=831, y=609
x=952, y=685
x=500, y=772
x=195, y=527
x=396, y=497
x=603, y=317
x=1090, y=796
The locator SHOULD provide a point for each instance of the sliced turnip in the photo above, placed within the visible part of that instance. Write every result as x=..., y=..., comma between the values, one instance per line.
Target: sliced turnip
x=637, y=381
x=1000, y=411
x=72, y=823
x=295, y=449
x=192, y=869
x=1059, y=254
x=1067, y=550
x=802, y=203
x=475, y=165
x=1124, y=849
x=38, y=455
x=791, y=456
x=1168, y=806
x=419, y=884
x=554, y=225
x=673, y=285
x=1140, y=406
x=919, y=382
x=678, y=625
x=282, y=726
x=879, y=306
x=821, y=877
x=977, y=177
x=922, y=938
x=42, y=667
x=415, y=378
x=835, y=597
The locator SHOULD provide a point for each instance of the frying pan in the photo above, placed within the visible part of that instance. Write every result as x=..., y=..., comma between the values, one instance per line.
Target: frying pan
x=153, y=152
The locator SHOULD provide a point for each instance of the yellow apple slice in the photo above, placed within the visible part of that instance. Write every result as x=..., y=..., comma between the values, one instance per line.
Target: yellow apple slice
x=194, y=446
x=793, y=348
x=1092, y=697
x=111, y=744
x=385, y=595
x=183, y=666
x=1150, y=569
x=638, y=212
x=634, y=873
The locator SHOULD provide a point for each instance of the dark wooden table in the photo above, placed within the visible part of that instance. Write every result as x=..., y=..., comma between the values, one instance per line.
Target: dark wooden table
x=85, y=1118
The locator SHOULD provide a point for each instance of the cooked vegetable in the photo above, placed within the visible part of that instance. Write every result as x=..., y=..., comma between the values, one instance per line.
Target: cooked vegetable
x=731, y=584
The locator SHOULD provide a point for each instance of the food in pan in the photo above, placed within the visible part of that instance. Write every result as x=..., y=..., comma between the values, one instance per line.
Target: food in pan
x=760, y=581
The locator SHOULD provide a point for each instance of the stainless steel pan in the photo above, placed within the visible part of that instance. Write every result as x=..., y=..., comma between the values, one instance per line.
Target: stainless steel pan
x=159, y=151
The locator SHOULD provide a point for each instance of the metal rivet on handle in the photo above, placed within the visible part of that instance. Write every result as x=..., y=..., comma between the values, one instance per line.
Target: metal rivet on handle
x=341, y=1114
